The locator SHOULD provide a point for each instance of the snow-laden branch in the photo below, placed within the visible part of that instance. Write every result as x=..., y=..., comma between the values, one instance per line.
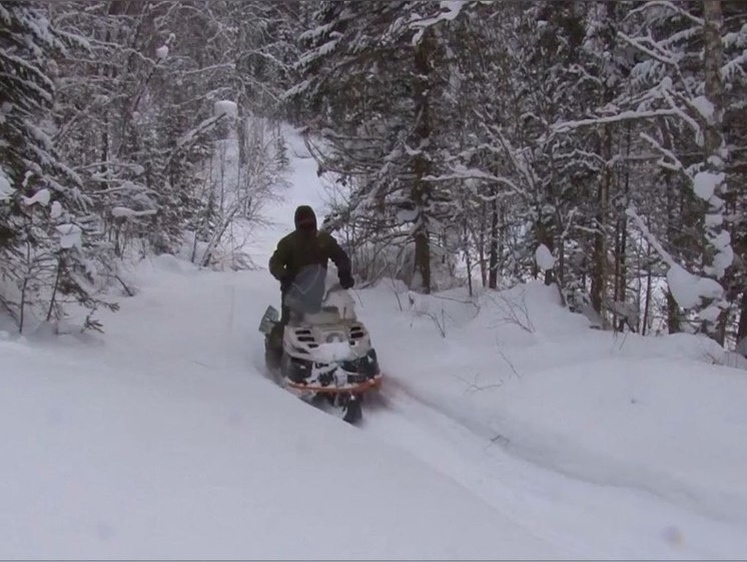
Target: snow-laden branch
x=196, y=71
x=630, y=115
x=733, y=67
x=687, y=289
x=463, y=173
x=638, y=44
x=126, y=212
x=203, y=127
x=450, y=9
x=663, y=254
x=694, y=125
x=676, y=165
x=668, y=5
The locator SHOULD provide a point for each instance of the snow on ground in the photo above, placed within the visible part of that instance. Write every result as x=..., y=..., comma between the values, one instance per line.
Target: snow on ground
x=520, y=434
x=166, y=441
x=625, y=447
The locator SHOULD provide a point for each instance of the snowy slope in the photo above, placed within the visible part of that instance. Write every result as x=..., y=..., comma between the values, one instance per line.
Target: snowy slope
x=520, y=434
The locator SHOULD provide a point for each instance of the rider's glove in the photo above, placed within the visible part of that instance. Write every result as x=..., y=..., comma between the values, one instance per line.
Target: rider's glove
x=346, y=280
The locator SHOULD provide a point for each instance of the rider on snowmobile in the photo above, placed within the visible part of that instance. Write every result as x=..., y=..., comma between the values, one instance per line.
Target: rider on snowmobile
x=303, y=247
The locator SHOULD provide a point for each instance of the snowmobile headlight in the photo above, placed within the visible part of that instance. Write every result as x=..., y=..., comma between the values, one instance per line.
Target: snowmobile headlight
x=335, y=337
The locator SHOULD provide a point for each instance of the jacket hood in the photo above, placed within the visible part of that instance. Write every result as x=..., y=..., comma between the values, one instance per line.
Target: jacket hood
x=304, y=218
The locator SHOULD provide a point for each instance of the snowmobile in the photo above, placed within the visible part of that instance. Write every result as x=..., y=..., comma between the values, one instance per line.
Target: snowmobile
x=327, y=356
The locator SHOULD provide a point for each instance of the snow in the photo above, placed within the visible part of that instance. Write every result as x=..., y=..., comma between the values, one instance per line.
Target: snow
x=705, y=183
x=42, y=197
x=610, y=445
x=70, y=235
x=332, y=351
x=705, y=108
x=509, y=430
x=544, y=258
x=724, y=254
x=125, y=212
x=227, y=108
x=6, y=190
x=162, y=52
x=166, y=441
x=56, y=210
x=688, y=289
x=450, y=9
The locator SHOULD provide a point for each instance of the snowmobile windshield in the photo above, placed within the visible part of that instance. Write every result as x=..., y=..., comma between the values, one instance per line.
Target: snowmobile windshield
x=307, y=291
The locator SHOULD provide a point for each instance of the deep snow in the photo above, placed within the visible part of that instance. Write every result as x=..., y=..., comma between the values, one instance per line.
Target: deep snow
x=522, y=433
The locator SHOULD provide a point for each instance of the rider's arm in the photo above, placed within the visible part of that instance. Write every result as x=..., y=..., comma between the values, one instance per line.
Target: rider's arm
x=336, y=254
x=279, y=260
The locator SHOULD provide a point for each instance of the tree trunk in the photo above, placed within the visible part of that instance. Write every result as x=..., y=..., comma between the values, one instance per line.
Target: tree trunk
x=481, y=248
x=421, y=164
x=742, y=329
x=647, y=304
x=718, y=256
x=599, y=268
x=544, y=237
x=616, y=278
x=468, y=259
x=674, y=316
x=623, y=271
x=493, y=274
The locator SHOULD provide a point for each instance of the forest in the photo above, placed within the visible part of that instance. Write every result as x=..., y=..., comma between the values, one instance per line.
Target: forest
x=599, y=146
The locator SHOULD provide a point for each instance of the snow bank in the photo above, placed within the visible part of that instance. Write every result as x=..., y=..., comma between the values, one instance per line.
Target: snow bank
x=669, y=426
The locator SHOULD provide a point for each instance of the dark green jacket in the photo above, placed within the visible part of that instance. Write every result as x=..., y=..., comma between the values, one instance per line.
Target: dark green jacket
x=299, y=249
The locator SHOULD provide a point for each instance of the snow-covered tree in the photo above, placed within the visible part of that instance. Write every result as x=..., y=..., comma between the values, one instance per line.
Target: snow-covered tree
x=47, y=238
x=681, y=81
x=372, y=75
